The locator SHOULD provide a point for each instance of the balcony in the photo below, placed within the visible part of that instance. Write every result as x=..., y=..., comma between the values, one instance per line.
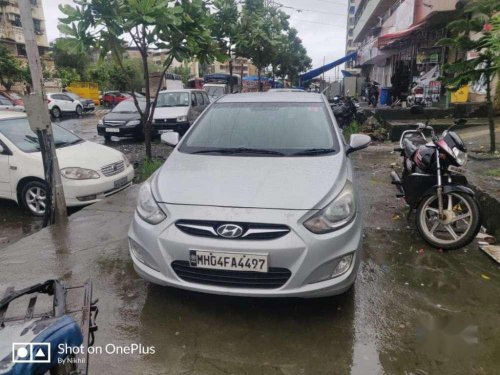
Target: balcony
x=368, y=15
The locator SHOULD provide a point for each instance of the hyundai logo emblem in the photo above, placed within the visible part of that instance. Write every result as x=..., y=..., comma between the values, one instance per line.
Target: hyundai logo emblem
x=229, y=231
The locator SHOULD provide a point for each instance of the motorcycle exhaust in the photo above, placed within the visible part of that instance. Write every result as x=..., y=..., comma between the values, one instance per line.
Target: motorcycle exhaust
x=396, y=181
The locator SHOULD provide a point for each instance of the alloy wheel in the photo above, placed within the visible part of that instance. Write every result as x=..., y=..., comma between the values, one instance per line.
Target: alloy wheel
x=35, y=200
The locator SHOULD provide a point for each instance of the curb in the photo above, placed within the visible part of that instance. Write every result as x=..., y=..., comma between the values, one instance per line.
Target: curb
x=490, y=207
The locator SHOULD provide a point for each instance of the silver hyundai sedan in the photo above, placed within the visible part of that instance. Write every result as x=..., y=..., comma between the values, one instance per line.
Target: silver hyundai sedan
x=257, y=199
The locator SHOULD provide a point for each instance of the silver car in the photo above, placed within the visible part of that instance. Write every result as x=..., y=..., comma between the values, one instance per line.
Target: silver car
x=257, y=199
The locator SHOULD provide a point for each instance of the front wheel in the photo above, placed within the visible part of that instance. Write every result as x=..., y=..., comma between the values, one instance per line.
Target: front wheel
x=79, y=110
x=33, y=197
x=457, y=228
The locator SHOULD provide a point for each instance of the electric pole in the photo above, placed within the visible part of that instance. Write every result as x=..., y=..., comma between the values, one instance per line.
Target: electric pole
x=39, y=120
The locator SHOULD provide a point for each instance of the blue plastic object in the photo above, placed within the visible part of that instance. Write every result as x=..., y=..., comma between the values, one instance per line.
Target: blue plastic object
x=55, y=331
x=385, y=96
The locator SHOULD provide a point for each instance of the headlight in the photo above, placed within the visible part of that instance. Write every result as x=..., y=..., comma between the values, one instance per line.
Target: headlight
x=147, y=208
x=460, y=156
x=182, y=118
x=100, y=123
x=75, y=173
x=337, y=214
x=133, y=123
x=126, y=161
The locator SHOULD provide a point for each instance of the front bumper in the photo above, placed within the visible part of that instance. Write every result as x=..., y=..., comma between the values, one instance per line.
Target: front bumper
x=84, y=192
x=179, y=127
x=121, y=131
x=303, y=253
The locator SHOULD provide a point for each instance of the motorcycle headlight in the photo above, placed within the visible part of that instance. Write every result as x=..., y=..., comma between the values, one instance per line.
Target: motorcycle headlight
x=126, y=161
x=336, y=214
x=182, y=118
x=133, y=123
x=75, y=173
x=460, y=156
x=147, y=208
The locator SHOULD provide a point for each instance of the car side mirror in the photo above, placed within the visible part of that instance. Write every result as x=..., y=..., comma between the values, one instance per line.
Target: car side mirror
x=170, y=138
x=358, y=142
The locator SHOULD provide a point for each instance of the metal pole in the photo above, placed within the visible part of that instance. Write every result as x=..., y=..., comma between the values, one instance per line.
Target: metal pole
x=38, y=117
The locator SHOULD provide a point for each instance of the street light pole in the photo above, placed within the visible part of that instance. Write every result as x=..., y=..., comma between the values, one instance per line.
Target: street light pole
x=39, y=119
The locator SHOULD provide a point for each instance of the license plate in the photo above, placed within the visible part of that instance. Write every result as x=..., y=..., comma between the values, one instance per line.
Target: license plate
x=112, y=130
x=164, y=131
x=121, y=182
x=228, y=261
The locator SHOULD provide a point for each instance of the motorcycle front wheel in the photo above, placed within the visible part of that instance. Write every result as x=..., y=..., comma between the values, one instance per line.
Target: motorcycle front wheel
x=458, y=227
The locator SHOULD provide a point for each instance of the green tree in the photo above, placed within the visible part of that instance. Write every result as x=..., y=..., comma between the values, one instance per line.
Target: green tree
x=181, y=28
x=260, y=34
x=291, y=58
x=10, y=69
x=184, y=72
x=472, y=32
x=226, y=29
x=67, y=55
x=67, y=75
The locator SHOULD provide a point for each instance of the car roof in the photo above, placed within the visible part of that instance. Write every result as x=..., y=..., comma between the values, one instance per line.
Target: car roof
x=6, y=115
x=261, y=97
x=183, y=90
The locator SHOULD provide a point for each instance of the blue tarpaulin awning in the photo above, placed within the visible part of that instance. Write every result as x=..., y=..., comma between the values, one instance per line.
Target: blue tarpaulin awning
x=307, y=76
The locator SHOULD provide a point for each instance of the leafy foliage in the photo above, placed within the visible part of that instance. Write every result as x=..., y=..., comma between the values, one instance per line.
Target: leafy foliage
x=10, y=69
x=180, y=28
x=472, y=31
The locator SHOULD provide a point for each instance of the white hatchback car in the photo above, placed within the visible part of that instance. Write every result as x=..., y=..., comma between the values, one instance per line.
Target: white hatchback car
x=60, y=103
x=90, y=172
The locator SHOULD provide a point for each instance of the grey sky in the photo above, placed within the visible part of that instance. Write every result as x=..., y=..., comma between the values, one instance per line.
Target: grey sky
x=321, y=25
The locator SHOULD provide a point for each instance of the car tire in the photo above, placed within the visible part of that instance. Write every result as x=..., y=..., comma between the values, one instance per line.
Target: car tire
x=32, y=197
x=55, y=112
x=79, y=110
x=107, y=137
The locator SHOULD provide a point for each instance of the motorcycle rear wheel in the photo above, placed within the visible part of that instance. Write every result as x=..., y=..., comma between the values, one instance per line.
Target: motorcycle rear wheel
x=460, y=225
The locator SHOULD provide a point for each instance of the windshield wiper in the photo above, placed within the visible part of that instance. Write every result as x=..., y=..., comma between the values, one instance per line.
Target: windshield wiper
x=239, y=150
x=315, y=151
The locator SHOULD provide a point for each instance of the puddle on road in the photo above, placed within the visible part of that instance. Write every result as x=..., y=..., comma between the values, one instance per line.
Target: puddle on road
x=15, y=223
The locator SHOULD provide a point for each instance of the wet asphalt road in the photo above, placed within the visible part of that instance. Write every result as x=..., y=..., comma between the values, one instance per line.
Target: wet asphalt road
x=413, y=309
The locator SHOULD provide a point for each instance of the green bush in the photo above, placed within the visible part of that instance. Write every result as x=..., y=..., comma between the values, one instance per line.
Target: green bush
x=148, y=168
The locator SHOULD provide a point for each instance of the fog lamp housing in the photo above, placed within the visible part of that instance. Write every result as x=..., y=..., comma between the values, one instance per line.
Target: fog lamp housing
x=141, y=255
x=343, y=265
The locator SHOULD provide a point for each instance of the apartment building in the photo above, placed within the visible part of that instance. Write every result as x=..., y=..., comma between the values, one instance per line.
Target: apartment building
x=11, y=30
x=241, y=66
x=397, y=38
x=350, y=45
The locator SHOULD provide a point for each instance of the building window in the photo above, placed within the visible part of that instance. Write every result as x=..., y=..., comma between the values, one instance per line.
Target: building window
x=34, y=2
x=38, y=26
x=222, y=66
x=21, y=50
x=15, y=20
x=352, y=9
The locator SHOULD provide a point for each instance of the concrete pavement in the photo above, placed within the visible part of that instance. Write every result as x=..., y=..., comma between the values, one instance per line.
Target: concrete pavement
x=413, y=309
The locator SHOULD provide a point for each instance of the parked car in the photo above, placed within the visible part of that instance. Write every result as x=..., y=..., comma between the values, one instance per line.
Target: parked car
x=123, y=121
x=112, y=98
x=13, y=96
x=176, y=110
x=89, y=171
x=88, y=104
x=7, y=104
x=258, y=199
x=60, y=103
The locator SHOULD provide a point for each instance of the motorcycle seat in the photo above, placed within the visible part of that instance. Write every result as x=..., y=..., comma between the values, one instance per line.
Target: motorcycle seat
x=409, y=148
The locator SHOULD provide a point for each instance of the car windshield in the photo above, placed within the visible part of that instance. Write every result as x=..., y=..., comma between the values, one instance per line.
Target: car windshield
x=128, y=106
x=173, y=99
x=18, y=131
x=281, y=128
x=215, y=91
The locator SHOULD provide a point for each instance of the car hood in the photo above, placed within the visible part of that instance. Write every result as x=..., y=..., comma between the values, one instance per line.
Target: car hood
x=170, y=112
x=122, y=116
x=87, y=155
x=300, y=183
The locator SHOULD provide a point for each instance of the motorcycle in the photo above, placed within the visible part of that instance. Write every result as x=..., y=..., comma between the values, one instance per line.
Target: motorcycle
x=371, y=93
x=432, y=182
x=416, y=96
x=346, y=110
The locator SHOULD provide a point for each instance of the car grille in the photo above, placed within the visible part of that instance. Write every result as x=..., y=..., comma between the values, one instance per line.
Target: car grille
x=274, y=278
x=162, y=121
x=114, y=122
x=113, y=168
x=249, y=231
